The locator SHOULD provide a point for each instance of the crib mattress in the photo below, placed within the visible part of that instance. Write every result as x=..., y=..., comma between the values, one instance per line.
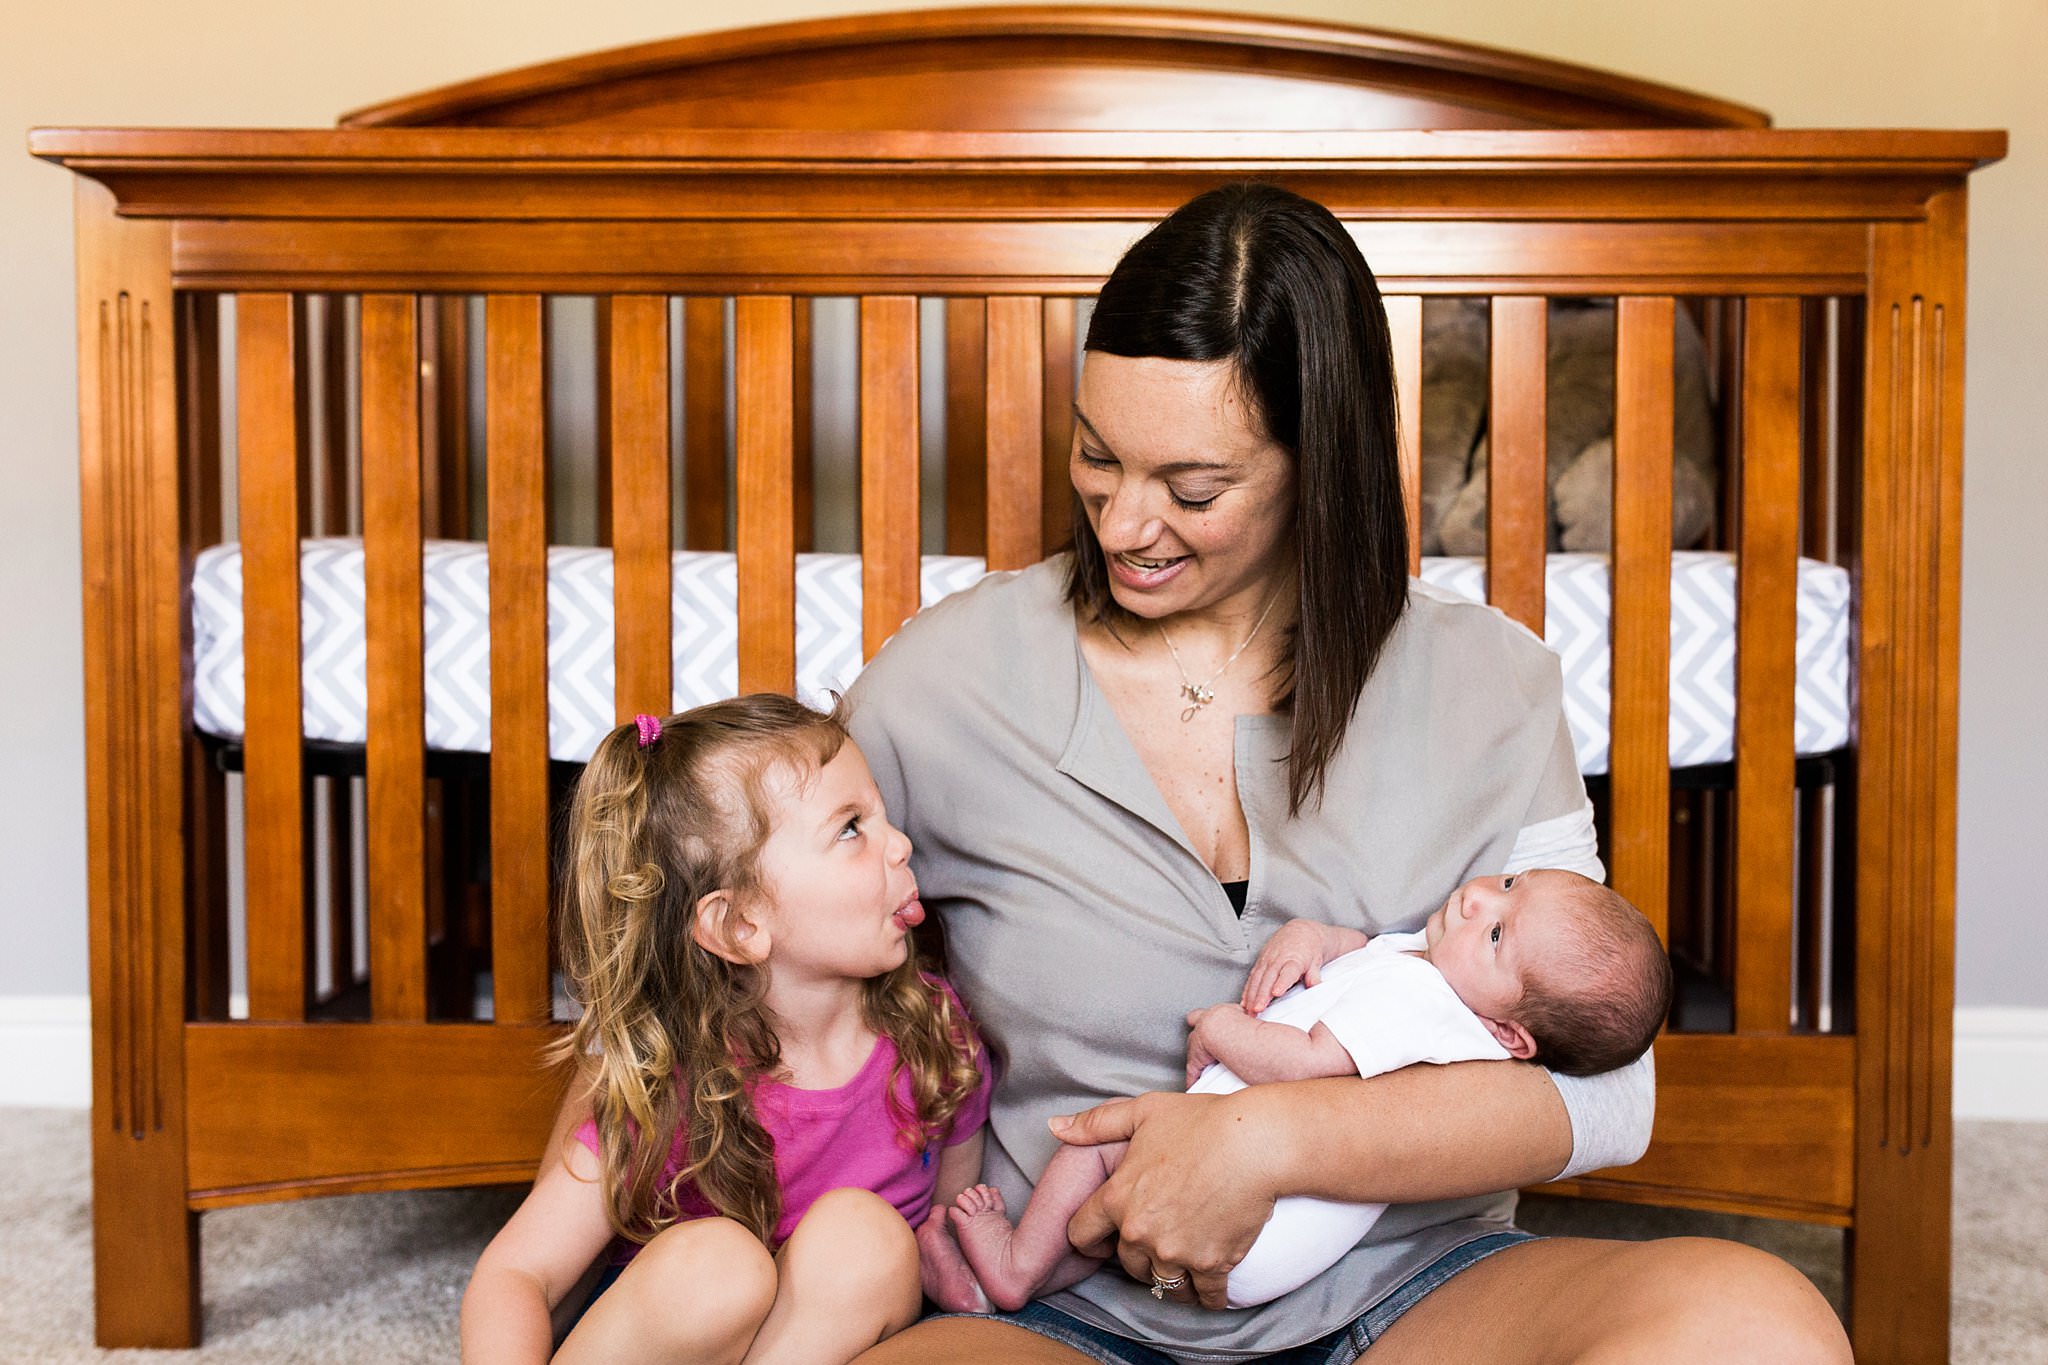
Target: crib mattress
x=1577, y=597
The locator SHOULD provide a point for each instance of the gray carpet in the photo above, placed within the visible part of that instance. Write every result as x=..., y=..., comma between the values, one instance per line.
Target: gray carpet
x=378, y=1277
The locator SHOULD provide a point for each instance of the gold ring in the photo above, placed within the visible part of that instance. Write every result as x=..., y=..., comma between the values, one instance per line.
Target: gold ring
x=1162, y=1287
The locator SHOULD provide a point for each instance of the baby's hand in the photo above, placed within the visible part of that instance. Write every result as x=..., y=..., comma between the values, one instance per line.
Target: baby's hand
x=1295, y=953
x=1204, y=1027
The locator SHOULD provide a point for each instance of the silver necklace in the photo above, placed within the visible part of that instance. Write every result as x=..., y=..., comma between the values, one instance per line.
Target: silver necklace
x=1200, y=694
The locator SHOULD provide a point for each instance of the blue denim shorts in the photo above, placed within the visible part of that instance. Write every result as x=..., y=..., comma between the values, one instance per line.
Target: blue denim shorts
x=1340, y=1347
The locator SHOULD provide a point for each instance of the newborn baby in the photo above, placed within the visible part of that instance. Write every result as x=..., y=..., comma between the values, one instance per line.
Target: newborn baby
x=1544, y=965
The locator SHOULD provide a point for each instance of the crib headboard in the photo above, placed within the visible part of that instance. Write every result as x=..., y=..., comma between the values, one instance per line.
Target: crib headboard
x=1840, y=256
x=1045, y=68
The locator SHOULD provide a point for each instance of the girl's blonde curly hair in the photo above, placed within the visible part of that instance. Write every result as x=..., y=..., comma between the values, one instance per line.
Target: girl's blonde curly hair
x=673, y=1037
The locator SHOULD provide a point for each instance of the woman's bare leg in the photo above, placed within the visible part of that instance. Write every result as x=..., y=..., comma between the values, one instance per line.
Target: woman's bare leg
x=1594, y=1302
x=1539, y=1303
x=848, y=1278
x=698, y=1292
x=982, y=1341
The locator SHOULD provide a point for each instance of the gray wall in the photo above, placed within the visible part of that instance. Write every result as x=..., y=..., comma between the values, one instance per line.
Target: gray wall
x=1824, y=63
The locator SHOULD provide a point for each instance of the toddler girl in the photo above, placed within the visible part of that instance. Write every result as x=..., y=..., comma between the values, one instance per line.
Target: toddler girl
x=775, y=1089
x=1546, y=966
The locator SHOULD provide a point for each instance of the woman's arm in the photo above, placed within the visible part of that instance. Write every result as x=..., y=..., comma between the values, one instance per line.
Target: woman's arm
x=1203, y=1171
x=1611, y=1113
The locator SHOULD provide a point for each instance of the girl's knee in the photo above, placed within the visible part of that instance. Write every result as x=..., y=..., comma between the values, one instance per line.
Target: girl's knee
x=712, y=1262
x=857, y=1214
x=856, y=1240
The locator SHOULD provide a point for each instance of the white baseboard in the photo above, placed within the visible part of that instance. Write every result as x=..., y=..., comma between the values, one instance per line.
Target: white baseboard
x=45, y=1051
x=46, y=1058
x=2002, y=1064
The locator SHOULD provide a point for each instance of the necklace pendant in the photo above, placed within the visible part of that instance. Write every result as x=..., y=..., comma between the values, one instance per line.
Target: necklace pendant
x=1198, y=697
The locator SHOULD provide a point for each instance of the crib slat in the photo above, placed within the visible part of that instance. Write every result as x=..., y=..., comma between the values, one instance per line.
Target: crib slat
x=704, y=483
x=888, y=467
x=1016, y=430
x=1516, y=519
x=1057, y=491
x=515, y=471
x=966, y=425
x=1766, y=643
x=764, y=387
x=641, y=591
x=1404, y=330
x=1640, y=761
x=269, y=438
x=396, y=759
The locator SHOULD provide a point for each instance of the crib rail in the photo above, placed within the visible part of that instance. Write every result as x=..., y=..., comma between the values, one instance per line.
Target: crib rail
x=390, y=298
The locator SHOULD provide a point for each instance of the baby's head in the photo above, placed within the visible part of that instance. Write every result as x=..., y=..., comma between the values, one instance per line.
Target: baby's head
x=1563, y=970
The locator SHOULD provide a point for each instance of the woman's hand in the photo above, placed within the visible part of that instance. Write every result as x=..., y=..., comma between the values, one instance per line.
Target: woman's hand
x=1190, y=1197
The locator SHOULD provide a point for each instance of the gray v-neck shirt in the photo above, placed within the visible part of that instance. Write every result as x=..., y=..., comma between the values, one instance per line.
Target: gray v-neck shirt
x=1081, y=926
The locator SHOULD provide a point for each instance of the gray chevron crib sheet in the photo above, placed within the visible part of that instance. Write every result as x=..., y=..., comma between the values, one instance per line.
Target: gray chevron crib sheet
x=1577, y=596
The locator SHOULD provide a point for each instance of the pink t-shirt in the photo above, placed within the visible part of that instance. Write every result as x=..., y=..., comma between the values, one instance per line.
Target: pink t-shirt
x=834, y=1139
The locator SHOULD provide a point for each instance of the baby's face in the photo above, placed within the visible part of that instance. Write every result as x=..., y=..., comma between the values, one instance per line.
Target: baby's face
x=1494, y=929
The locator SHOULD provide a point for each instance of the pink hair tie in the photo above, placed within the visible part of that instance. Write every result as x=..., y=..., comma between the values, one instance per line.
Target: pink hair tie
x=650, y=728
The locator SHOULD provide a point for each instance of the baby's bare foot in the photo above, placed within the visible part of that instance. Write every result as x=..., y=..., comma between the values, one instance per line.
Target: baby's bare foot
x=948, y=1282
x=986, y=1237
x=977, y=1200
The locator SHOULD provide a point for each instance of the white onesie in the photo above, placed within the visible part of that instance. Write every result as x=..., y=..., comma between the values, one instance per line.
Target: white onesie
x=1389, y=1009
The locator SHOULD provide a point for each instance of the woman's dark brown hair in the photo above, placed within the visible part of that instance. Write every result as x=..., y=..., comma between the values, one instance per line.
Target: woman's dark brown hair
x=1272, y=282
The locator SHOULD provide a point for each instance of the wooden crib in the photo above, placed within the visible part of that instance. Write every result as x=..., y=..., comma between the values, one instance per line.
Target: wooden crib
x=999, y=161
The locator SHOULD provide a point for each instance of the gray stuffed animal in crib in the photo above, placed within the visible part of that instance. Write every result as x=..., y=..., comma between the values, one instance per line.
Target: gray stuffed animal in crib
x=1580, y=414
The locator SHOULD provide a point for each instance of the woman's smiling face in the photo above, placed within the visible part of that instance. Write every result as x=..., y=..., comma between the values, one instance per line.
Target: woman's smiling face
x=1193, y=503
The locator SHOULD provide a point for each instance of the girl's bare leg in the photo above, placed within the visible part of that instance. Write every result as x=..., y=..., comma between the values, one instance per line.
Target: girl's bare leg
x=848, y=1278
x=698, y=1292
x=1017, y=1264
x=1539, y=1303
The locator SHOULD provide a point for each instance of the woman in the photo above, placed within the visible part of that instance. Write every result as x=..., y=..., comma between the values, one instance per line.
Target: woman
x=1124, y=768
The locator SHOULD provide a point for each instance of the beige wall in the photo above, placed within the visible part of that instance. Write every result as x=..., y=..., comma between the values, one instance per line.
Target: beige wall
x=1828, y=63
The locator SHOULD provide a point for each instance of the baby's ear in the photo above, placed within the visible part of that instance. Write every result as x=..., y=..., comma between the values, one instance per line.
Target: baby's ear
x=1511, y=1036
x=724, y=930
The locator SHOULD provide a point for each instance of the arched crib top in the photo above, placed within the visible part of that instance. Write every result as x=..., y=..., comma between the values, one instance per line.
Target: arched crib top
x=1052, y=67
